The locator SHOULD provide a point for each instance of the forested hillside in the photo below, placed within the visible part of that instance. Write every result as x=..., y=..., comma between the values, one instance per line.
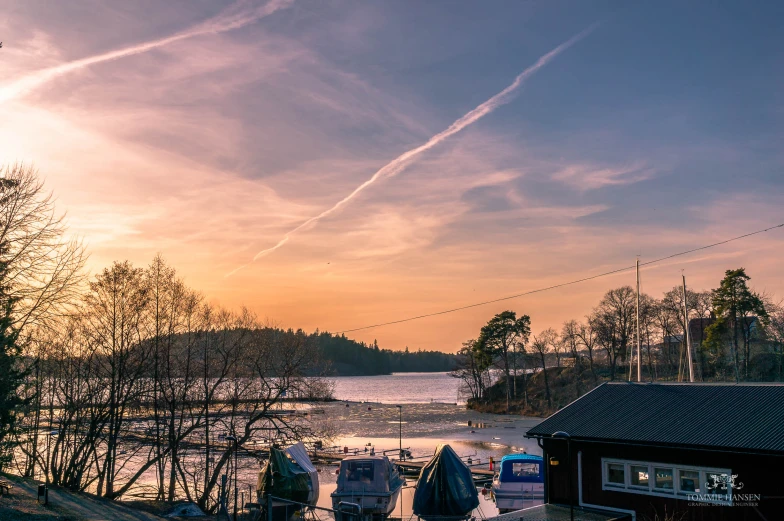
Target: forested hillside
x=348, y=357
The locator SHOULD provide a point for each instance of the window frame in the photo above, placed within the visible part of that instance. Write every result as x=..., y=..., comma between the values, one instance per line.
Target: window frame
x=673, y=474
x=606, y=475
x=678, y=481
x=651, y=490
x=522, y=466
x=631, y=485
x=362, y=467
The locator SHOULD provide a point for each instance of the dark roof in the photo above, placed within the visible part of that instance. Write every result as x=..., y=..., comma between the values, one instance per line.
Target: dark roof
x=549, y=512
x=697, y=326
x=738, y=417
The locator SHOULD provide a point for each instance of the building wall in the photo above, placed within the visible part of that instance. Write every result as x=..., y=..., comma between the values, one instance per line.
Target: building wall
x=757, y=473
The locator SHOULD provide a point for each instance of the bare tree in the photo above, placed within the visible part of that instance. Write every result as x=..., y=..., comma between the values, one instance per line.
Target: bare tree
x=648, y=307
x=473, y=369
x=571, y=339
x=252, y=373
x=587, y=337
x=160, y=278
x=115, y=312
x=775, y=333
x=671, y=315
x=558, y=348
x=41, y=274
x=521, y=348
x=44, y=266
x=614, y=323
x=665, y=317
x=542, y=345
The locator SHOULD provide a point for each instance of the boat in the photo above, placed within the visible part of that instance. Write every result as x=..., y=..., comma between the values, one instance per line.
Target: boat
x=520, y=482
x=368, y=488
x=445, y=489
x=287, y=475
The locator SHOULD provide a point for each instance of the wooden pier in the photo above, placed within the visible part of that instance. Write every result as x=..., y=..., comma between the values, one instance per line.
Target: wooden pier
x=407, y=466
x=417, y=465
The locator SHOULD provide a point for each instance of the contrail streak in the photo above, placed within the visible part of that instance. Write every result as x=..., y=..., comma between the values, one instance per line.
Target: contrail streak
x=398, y=164
x=233, y=18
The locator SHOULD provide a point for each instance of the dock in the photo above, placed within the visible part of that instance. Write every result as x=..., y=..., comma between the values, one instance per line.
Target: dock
x=417, y=465
x=407, y=466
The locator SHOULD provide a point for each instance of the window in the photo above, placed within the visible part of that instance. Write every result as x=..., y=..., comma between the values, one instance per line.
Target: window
x=639, y=475
x=361, y=471
x=689, y=481
x=615, y=474
x=525, y=469
x=657, y=479
x=662, y=478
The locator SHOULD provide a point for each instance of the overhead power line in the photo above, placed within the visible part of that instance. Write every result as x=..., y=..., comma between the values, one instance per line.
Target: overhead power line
x=564, y=284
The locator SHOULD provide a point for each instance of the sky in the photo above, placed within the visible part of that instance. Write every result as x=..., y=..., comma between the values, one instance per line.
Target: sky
x=339, y=164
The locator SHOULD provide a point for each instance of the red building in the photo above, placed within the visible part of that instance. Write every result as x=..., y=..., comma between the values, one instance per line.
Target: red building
x=669, y=451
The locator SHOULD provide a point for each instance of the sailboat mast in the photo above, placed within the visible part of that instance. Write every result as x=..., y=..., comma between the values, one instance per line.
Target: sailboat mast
x=686, y=336
x=639, y=343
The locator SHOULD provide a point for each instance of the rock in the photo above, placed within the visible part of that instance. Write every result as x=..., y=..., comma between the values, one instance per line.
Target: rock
x=186, y=510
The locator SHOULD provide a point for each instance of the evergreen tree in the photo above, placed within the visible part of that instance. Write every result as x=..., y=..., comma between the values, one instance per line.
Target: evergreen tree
x=499, y=339
x=735, y=308
x=10, y=374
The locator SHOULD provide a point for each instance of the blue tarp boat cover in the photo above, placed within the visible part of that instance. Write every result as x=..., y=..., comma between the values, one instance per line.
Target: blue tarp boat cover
x=445, y=486
x=521, y=468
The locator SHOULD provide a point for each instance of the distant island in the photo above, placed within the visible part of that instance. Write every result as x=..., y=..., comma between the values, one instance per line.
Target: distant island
x=337, y=355
x=346, y=357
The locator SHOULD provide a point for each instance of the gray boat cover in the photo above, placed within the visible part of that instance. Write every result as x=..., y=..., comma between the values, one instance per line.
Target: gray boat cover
x=299, y=454
x=445, y=486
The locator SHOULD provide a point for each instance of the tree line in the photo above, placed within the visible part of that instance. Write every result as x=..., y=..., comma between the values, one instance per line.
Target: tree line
x=342, y=356
x=348, y=357
x=735, y=333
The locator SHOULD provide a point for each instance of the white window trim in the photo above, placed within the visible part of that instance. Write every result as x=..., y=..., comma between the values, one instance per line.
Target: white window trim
x=675, y=493
x=675, y=481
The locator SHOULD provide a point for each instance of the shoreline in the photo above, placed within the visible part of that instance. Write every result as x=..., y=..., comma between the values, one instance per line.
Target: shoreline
x=363, y=421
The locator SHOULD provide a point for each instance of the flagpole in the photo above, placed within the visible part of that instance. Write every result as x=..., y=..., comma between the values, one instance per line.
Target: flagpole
x=639, y=343
x=686, y=336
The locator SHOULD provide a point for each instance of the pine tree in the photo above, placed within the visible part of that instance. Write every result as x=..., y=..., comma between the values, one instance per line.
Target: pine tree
x=11, y=375
x=735, y=307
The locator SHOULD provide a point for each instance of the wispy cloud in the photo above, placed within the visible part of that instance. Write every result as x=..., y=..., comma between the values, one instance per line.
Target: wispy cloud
x=232, y=18
x=398, y=164
x=585, y=177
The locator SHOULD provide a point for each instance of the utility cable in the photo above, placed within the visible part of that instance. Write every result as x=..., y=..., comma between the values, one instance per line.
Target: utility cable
x=563, y=284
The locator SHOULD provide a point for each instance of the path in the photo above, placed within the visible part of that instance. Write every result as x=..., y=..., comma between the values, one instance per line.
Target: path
x=86, y=507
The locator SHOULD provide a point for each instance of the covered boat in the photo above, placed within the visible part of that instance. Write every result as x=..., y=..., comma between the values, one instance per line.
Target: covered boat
x=288, y=474
x=445, y=488
x=520, y=483
x=368, y=487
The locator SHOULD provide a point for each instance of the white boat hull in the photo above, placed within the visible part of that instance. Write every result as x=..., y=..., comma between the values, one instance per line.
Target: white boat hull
x=373, y=505
x=516, y=496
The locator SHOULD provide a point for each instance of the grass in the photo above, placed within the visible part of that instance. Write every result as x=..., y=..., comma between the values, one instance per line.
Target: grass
x=19, y=506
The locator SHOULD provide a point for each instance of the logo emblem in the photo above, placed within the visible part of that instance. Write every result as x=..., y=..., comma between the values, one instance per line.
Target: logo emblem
x=721, y=483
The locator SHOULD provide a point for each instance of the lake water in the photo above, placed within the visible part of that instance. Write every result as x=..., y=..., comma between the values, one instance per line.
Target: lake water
x=398, y=388
x=434, y=413
x=431, y=413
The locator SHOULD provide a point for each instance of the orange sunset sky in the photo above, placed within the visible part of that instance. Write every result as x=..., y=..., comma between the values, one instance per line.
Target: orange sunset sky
x=336, y=165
